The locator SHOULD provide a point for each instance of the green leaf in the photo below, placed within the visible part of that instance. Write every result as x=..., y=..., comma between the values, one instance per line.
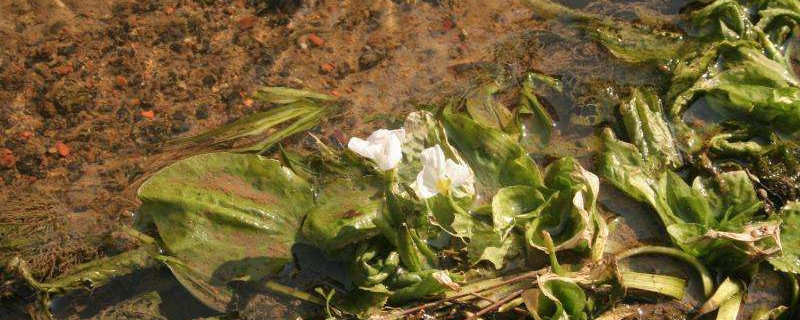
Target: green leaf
x=431, y=282
x=558, y=298
x=484, y=109
x=299, y=115
x=92, y=274
x=488, y=152
x=648, y=130
x=789, y=260
x=540, y=125
x=225, y=216
x=515, y=205
x=344, y=214
x=282, y=95
x=569, y=216
x=488, y=245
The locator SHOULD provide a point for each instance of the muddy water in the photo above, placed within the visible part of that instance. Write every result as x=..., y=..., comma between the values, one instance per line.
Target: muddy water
x=192, y=63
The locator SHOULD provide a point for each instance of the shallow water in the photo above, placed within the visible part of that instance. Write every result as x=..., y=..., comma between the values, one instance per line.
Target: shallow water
x=593, y=84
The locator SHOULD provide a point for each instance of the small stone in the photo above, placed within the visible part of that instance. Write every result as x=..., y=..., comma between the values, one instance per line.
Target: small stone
x=316, y=40
x=327, y=67
x=369, y=60
x=29, y=165
x=7, y=159
x=121, y=81
x=64, y=69
x=63, y=149
x=149, y=114
x=247, y=22
x=201, y=112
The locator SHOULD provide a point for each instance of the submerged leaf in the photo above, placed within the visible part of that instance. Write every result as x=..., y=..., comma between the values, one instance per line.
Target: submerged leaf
x=225, y=216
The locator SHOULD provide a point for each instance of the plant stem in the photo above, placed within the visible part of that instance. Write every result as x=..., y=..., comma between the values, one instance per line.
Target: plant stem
x=455, y=206
x=496, y=305
x=705, y=276
x=493, y=285
x=551, y=251
x=292, y=292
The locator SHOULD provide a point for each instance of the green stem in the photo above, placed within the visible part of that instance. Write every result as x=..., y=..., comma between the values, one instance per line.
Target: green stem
x=292, y=292
x=551, y=251
x=705, y=276
x=455, y=206
x=793, y=291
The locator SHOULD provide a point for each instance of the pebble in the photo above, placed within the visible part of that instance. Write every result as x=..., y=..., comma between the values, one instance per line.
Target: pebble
x=149, y=114
x=327, y=67
x=64, y=69
x=369, y=60
x=63, y=149
x=29, y=165
x=201, y=112
x=121, y=81
x=247, y=22
x=316, y=40
x=7, y=159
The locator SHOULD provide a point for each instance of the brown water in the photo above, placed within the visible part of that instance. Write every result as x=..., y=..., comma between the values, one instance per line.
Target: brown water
x=86, y=75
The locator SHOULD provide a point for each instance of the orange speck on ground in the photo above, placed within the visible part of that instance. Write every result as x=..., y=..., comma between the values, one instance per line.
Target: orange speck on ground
x=62, y=149
x=316, y=40
x=149, y=114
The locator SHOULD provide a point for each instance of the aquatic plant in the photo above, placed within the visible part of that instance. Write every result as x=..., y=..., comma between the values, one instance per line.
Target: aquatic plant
x=451, y=208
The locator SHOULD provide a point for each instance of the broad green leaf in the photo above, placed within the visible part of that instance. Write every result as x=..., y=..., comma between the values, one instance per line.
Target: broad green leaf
x=487, y=151
x=225, y=216
x=568, y=217
x=431, y=282
x=488, y=245
x=637, y=44
x=515, y=205
x=363, y=302
x=540, y=125
x=484, y=109
x=789, y=260
x=647, y=128
x=557, y=298
x=344, y=214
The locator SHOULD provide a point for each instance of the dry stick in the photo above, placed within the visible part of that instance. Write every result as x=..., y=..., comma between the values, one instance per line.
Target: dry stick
x=494, y=286
x=485, y=298
x=496, y=305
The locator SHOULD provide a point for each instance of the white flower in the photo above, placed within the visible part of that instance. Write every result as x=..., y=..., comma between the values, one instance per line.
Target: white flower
x=382, y=146
x=440, y=175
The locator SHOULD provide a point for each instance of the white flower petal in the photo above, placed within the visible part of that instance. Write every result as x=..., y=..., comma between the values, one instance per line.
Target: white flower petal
x=426, y=183
x=391, y=153
x=434, y=157
x=361, y=147
x=382, y=146
x=459, y=174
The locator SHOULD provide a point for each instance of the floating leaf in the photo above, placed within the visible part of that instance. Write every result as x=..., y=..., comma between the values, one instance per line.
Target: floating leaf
x=225, y=216
x=344, y=214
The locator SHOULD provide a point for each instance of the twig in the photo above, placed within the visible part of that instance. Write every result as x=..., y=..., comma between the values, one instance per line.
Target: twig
x=518, y=278
x=496, y=305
